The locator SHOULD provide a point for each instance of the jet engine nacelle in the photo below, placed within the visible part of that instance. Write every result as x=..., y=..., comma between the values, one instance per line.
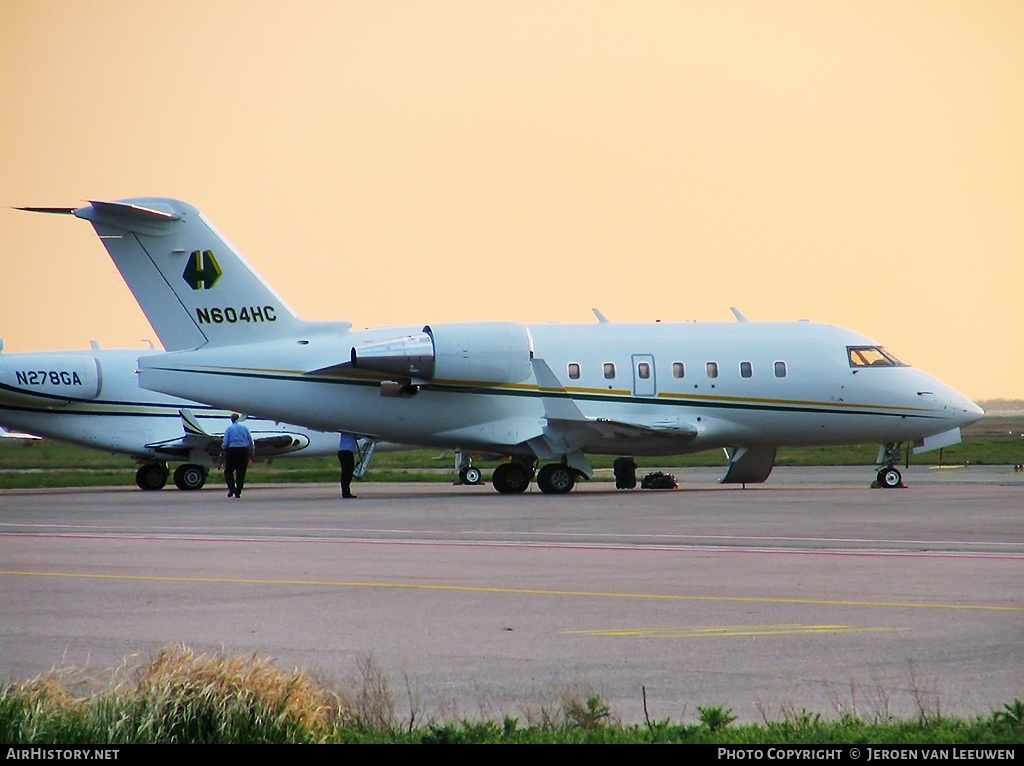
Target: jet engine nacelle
x=56, y=377
x=491, y=352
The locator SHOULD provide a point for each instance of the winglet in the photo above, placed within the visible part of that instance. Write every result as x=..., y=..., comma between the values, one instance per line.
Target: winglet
x=601, y=318
x=736, y=313
x=190, y=424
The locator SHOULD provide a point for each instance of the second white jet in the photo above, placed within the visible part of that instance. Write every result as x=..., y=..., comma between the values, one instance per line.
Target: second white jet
x=93, y=399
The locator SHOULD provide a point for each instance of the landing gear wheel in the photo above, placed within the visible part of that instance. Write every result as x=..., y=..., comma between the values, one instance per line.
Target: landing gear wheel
x=510, y=478
x=151, y=476
x=189, y=477
x=470, y=475
x=890, y=478
x=555, y=479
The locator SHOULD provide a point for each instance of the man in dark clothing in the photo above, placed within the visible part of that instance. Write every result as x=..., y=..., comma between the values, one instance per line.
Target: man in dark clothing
x=235, y=451
x=347, y=450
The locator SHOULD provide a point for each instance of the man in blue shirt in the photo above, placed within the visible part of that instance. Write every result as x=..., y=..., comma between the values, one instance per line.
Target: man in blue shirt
x=236, y=450
x=347, y=449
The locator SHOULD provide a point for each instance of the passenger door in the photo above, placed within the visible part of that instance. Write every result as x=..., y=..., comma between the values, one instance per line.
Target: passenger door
x=644, y=383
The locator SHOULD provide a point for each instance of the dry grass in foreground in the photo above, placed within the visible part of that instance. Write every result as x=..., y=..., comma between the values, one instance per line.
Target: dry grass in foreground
x=181, y=695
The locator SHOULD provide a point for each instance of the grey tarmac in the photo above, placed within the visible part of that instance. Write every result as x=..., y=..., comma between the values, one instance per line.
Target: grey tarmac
x=810, y=592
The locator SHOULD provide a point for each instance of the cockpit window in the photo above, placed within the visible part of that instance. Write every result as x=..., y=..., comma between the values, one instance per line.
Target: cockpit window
x=872, y=356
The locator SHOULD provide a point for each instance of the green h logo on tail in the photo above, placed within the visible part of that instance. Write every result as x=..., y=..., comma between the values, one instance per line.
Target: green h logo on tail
x=202, y=271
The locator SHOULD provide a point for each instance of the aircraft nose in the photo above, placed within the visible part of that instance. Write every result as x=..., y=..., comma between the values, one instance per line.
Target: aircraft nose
x=956, y=409
x=964, y=410
x=973, y=411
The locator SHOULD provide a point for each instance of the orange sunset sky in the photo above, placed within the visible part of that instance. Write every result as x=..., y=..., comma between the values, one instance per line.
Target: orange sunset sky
x=859, y=163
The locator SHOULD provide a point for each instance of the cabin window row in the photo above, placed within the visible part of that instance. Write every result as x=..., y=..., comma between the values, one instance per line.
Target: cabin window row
x=643, y=370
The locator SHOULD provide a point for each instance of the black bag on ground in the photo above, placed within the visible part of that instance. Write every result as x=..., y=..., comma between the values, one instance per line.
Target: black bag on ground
x=659, y=480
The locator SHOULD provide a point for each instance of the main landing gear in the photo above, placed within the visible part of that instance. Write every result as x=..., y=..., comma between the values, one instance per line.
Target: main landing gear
x=889, y=476
x=187, y=477
x=552, y=479
x=556, y=479
x=512, y=478
x=151, y=476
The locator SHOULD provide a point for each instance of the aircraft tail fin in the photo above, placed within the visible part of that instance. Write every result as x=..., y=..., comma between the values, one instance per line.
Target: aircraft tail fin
x=193, y=286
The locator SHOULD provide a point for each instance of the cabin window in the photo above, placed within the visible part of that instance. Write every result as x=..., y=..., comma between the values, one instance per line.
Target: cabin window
x=643, y=371
x=678, y=370
x=712, y=368
x=609, y=370
x=872, y=356
x=746, y=370
x=780, y=369
x=574, y=371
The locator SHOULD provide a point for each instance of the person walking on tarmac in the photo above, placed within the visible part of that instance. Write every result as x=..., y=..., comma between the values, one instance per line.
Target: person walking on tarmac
x=347, y=450
x=235, y=452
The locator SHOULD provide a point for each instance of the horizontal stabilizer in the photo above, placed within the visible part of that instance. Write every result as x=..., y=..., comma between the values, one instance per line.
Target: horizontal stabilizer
x=50, y=210
x=121, y=215
x=125, y=212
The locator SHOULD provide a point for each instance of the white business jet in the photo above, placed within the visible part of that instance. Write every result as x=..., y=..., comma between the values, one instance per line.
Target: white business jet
x=92, y=398
x=548, y=394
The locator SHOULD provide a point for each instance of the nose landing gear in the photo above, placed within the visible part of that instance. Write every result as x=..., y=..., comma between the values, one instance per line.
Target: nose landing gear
x=889, y=476
x=468, y=473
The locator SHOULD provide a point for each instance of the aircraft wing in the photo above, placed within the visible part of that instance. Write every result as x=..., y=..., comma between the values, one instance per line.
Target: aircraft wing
x=614, y=437
x=619, y=430
x=194, y=436
x=268, y=443
x=567, y=429
x=183, y=446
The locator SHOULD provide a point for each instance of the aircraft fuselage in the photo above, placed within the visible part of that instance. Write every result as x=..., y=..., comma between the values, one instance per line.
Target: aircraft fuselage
x=742, y=383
